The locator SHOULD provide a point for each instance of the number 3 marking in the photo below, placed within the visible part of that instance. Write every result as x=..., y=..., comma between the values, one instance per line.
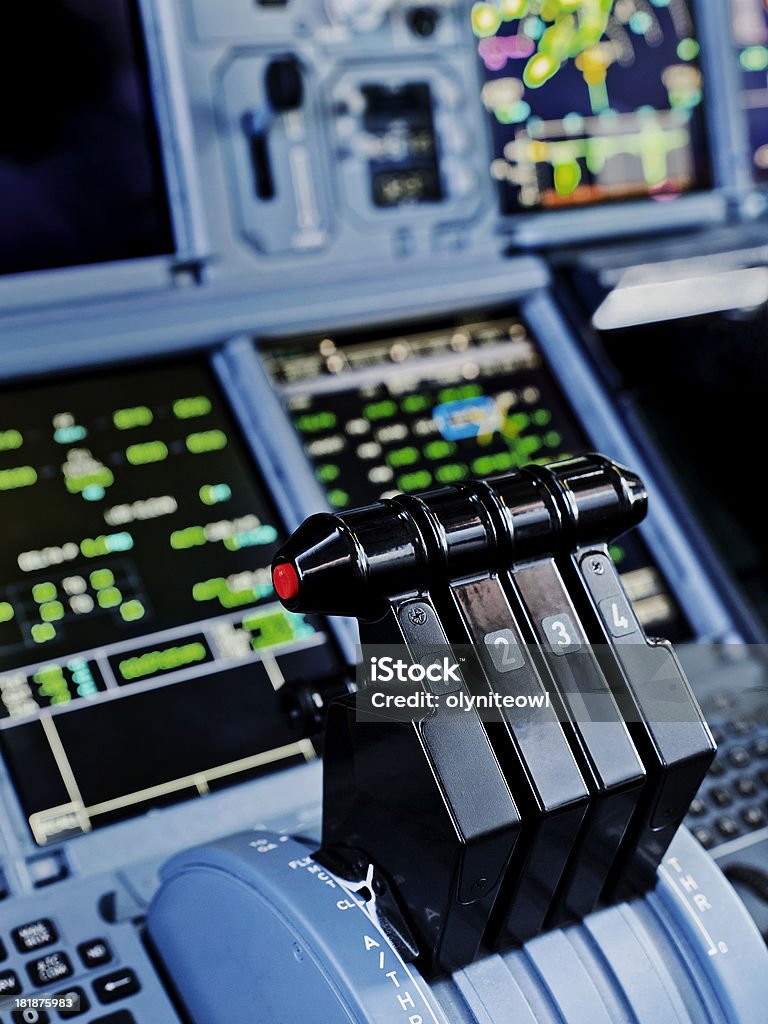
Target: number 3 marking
x=564, y=638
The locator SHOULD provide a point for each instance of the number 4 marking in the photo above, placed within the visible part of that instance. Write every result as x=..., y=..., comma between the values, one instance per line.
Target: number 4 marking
x=620, y=621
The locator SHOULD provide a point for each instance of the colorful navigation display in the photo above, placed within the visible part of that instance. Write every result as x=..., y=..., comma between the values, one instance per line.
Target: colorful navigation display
x=135, y=572
x=591, y=100
x=750, y=33
x=382, y=415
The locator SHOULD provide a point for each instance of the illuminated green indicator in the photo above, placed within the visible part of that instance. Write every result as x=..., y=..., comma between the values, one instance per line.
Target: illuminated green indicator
x=131, y=611
x=542, y=417
x=110, y=597
x=42, y=632
x=517, y=423
x=380, y=410
x=188, y=408
x=415, y=403
x=20, y=476
x=79, y=484
x=439, y=450
x=553, y=439
x=617, y=553
x=101, y=578
x=69, y=435
x=499, y=463
x=273, y=628
x=314, y=422
x=456, y=394
x=52, y=611
x=6, y=611
x=53, y=684
x=269, y=630
x=48, y=674
x=215, y=494
x=190, y=537
x=167, y=660
x=206, y=441
x=567, y=177
x=688, y=49
x=43, y=592
x=149, y=451
x=529, y=444
x=264, y=534
x=338, y=498
x=97, y=547
x=414, y=481
x=10, y=440
x=209, y=590
x=403, y=457
x=754, y=58
x=327, y=473
x=486, y=20
x=236, y=598
x=129, y=419
x=451, y=472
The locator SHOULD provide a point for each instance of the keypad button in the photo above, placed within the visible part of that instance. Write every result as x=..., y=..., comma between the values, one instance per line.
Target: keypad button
x=82, y=1003
x=121, y=1017
x=717, y=767
x=720, y=796
x=704, y=836
x=117, y=985
x=764, y=776
x=760, y=747
x=717, y=734
x=34, y=935
x=745, y=786
x=753, y=817
x=739, y=757
x=741, y=727
x=9, y=984
x=94, y=953
x=3, y=951
x=728, y=827
x=697, y=808
x=30, y=1015
x=50, y=968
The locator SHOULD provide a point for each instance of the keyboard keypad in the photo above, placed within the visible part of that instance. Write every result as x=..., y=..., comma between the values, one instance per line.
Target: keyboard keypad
x=95, y=953
x=46, y=964
x=30, y=1015
x=733, y=801
x=50, y=968
x=34, y=935
x=9, y=984
x=117, y=985
x=80, y=1000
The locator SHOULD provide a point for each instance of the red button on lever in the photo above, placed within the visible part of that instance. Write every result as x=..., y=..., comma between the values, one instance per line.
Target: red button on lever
x=286, y=581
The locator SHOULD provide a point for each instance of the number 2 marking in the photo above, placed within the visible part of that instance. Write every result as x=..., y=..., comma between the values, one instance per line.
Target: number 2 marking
x=506, y=657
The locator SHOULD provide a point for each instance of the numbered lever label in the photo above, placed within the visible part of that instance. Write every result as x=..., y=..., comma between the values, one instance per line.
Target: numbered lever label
x=504, y=650
x=561, y=633
x=602, y=581
x=617, y=615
